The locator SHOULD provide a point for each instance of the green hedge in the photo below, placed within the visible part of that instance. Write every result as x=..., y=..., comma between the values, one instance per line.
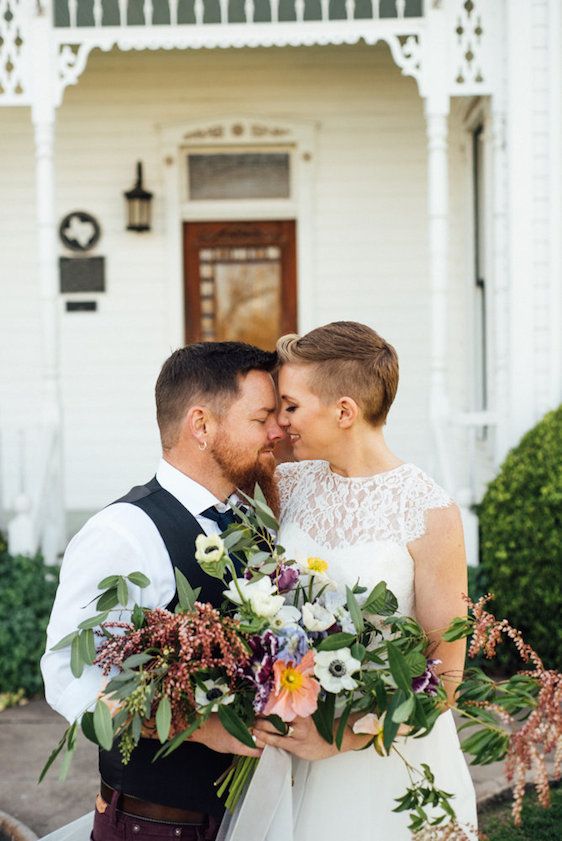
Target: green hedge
x=27, y=592
x=521, y=539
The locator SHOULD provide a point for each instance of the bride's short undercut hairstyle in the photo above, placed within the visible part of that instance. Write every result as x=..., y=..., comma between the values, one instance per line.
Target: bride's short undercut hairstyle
x=204, y=372
x=349, y=359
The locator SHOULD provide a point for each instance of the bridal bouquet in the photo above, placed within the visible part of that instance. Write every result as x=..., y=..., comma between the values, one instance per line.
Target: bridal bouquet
x=289, y=642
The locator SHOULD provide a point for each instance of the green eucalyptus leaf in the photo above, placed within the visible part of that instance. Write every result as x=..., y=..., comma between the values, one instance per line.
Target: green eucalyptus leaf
x=390, y=727
x=88, y=729
x=164, y=718
x=76, y=660
x=342, y=723
x=65, y=641
x=416, y=662
x=405, y=710
x=87, y=646
x=139, y=579
x=336, y=641
x=355, y=611
x=136, y=728
x=93, y=621
x=53, y=755
x=324, y=717
x=137, y=660
x=137, y=617
x=278, y=723
x=103, y=725
x=123, y=592
x=109, y=582
x=232, y=538
x=187, y=596
x=358, y=651
x=399, y=667
x=70, y=749
x=235, y=726
x=108, y=600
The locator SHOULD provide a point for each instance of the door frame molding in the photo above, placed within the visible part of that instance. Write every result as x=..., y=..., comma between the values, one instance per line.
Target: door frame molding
x=236, y=132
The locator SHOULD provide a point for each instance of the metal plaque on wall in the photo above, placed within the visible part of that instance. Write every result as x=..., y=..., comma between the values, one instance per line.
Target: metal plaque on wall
x=82, y=274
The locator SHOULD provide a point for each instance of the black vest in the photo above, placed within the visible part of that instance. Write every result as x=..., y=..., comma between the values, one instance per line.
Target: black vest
x=184, y=779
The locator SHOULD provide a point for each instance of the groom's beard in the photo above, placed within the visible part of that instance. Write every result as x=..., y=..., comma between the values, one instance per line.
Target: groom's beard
x=245, y=475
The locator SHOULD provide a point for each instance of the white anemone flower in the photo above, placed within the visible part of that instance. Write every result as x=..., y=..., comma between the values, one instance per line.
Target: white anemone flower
x=265, y=604
x=317, y=618
x=235, y=587
x=260, y=594
x=209, y=548
x=335, y=602
x=215, y=693
x=334, y=669
x=287, y=617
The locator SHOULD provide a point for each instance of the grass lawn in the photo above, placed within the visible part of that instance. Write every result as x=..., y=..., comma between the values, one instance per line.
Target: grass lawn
x=538, y=824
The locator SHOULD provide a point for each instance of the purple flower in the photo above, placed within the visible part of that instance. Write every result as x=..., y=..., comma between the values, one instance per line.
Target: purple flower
x=259, y=670
x=285, y=577
x=428, y=682
x=293, y=644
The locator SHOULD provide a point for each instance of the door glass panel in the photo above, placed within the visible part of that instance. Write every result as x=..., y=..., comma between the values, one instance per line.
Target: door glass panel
x=248, y=175
x=240, y=294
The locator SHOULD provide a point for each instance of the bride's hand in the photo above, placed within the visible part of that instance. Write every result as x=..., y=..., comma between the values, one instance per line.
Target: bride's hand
x=304, y=740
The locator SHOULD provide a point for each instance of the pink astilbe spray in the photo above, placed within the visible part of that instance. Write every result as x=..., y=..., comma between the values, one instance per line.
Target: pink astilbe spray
x=184, y=643
x=541, y=734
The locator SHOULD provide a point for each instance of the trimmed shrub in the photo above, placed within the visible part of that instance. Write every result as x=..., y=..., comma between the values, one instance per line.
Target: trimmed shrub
x=521, y=539
x=27, y=592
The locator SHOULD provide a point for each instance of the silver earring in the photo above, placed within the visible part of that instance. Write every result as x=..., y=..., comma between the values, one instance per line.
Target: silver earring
x=203, y=446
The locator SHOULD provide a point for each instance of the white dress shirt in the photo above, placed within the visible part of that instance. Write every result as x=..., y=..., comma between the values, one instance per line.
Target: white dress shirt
x=118, y=540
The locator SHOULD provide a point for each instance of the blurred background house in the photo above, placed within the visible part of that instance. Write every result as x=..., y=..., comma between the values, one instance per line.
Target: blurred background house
x=395, y=162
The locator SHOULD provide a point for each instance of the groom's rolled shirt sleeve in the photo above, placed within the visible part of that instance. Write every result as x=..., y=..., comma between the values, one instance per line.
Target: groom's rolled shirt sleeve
x=117, y=541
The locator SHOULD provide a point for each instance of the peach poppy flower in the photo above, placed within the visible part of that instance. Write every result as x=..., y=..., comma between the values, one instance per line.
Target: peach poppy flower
x=296, y=690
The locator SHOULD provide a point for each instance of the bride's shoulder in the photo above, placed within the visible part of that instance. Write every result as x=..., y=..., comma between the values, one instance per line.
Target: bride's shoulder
x=291, y=475
x=421, y=494
x=420, y=487
x=292, y=471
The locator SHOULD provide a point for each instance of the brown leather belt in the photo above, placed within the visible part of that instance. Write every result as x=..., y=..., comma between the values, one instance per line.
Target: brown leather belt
x=152, y=811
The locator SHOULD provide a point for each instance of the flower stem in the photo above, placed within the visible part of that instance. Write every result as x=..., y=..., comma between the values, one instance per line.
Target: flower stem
x=475, y=718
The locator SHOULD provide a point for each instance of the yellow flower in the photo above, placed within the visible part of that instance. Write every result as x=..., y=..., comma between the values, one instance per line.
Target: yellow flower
x=316, y=565
x=290, y=679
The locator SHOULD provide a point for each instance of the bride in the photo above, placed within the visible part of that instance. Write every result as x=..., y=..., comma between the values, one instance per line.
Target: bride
x=351, y=502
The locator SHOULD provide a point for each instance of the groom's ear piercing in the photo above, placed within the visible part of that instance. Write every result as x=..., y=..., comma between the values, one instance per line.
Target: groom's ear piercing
x=203, y=446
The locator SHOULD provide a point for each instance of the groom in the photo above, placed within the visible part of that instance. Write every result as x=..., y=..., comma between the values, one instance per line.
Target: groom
x=215, y=406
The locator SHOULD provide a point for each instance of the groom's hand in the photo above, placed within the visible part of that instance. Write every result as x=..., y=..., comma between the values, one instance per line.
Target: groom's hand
x=302, y=740
x=213, y=735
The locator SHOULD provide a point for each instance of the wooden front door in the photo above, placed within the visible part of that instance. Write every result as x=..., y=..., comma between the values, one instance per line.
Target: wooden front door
x=240, y=281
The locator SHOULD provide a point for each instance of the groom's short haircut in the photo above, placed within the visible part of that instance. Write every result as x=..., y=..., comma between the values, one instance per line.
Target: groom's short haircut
x=206, y=372
x=349, y=359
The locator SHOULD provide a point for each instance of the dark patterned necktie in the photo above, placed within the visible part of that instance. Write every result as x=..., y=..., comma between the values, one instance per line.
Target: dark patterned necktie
x=222, y=518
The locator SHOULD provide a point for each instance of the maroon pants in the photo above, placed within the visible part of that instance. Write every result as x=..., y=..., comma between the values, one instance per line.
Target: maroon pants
x=111, y=824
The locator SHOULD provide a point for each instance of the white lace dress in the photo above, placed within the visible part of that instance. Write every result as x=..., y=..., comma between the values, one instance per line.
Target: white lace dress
x=362, y=527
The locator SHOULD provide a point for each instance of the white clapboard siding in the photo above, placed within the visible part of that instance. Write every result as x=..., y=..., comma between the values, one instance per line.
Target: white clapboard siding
x=369, y=226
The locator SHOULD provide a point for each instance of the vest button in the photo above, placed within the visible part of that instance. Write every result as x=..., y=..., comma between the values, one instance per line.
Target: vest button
x=136, y=828
x=177, y=831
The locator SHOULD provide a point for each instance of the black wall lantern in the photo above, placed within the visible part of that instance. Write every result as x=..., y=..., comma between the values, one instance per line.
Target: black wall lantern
x=138, y=205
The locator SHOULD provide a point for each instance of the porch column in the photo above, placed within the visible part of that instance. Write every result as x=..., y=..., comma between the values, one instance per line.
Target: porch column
x=49, y=513
x=436, y=115
x=501, y=336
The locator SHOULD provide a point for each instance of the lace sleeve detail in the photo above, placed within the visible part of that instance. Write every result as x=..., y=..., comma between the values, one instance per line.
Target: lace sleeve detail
x=287, y=475
x=422, y=494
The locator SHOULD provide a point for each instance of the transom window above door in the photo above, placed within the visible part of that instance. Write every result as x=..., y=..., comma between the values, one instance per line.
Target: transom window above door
x=235, y=175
